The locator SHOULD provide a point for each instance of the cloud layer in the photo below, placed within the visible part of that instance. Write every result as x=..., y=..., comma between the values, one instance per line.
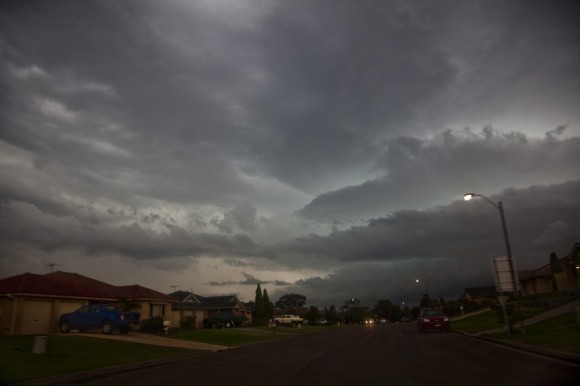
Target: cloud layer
x=319, y=148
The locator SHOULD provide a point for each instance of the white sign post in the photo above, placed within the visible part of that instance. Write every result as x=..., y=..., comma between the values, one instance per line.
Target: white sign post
x=504, y=282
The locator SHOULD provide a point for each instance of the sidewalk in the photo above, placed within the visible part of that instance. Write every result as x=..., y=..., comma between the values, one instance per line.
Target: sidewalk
x=552, y=313
x=139, y=337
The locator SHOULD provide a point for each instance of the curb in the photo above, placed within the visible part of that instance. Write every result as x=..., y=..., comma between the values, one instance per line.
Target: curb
x=549, y=353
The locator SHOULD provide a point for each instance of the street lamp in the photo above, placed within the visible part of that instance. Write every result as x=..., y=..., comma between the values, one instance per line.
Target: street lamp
x=499, y=206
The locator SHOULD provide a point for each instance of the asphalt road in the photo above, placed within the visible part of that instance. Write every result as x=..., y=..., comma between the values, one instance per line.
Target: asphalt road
x=364, y=355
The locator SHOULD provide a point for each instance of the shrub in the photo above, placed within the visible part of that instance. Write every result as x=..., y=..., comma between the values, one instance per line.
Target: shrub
x=188, y=323
x=153, y=325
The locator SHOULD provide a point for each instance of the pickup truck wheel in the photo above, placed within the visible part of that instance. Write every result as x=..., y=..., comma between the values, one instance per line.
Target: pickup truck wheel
x=107, y=327
x=64, y=327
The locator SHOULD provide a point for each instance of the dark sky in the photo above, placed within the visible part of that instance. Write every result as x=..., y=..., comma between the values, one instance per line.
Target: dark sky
x=316, y=147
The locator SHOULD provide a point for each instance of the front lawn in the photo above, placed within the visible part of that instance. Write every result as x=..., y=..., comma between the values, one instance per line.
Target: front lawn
x=68, y=354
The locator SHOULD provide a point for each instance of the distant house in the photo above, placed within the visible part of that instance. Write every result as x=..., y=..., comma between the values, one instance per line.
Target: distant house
x=32, y=303
x=546, y=279
x=300, y=311
x=198, y=308
x=480, y=295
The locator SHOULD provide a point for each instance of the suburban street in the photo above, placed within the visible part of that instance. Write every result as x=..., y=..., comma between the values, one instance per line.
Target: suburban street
x=362, y=355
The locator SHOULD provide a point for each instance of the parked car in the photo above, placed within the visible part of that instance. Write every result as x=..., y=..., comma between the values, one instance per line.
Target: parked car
x=224, y=319
x=104, y=317
x=382, y=320
x=432, y=319
x=405, y=319
x=289, y=320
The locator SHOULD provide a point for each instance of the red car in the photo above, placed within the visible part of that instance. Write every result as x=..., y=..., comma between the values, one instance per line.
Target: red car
x=432, y=319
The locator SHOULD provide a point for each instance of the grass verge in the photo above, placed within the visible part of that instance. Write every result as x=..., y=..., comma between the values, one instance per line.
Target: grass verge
x=559, y=333
x=477, y=323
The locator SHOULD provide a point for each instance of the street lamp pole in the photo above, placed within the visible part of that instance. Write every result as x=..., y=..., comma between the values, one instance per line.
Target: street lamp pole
x=499, y=206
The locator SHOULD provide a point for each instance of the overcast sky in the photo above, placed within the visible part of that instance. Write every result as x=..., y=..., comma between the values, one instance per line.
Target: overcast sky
x=315, y=147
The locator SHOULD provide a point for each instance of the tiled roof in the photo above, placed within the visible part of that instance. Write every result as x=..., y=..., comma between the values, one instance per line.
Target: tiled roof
x=136, y=291
x=181, y=295
x=83, y=286
x=30, y=283
x=206, y=302
x=543, y=271
x=66, y=284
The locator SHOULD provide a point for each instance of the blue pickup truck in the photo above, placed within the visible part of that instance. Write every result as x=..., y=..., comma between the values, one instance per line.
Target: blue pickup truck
x=104, y=317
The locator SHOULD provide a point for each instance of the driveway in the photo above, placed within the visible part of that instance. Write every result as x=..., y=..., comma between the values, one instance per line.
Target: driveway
x=138, y=337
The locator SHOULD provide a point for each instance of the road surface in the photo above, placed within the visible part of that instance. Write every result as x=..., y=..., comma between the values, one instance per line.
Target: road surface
x=391, y=354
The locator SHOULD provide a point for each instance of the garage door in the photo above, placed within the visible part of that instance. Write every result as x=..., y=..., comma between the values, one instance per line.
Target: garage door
x=36, y=317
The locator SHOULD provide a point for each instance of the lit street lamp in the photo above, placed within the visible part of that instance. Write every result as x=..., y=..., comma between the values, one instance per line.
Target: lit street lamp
x=499, y=206
x=426, y=288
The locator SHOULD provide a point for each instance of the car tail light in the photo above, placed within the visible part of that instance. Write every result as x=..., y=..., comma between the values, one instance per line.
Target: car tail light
x=425, y=320
x=446, y=319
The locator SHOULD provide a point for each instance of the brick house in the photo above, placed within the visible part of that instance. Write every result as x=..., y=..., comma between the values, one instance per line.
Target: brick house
x=32, y=303
x=199, y=307
x=542, y=280
x=478, y=295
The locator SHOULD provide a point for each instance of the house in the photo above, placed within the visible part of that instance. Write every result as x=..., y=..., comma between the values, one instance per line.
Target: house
x=480, y=295
x=32, y=303
x=559, y=275
x=198, y=308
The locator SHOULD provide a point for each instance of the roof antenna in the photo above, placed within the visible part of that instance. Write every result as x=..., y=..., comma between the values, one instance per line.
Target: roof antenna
x=52, y=265
x=174, y=287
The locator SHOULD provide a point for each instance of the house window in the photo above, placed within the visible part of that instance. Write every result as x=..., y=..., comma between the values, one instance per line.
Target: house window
x=157, y=310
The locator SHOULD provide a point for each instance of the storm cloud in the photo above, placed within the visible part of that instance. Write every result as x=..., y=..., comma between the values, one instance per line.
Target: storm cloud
x=315, y=147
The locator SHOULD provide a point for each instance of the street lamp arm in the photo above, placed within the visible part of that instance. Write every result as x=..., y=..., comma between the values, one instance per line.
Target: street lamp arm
x=468, y=196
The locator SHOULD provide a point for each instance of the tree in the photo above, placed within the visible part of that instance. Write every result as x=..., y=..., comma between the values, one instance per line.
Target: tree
x=331, y=315
x=354, y=311
x=383, y=309
x=259, y=309
x=312, y=315
x=291, y=301
x=268, y=306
